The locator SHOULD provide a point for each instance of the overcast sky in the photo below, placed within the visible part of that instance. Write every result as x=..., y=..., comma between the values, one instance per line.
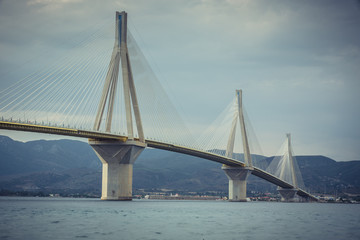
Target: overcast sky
x=298, y=62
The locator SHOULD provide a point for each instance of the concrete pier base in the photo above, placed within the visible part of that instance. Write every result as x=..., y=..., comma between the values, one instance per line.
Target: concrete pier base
x=287, y=194
x=117, y=167
x=237, y=182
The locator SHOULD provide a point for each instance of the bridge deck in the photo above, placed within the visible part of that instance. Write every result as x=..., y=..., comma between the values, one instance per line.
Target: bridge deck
x=195, y=153
x=60, y=131
x=228, y=161
x=150, y=143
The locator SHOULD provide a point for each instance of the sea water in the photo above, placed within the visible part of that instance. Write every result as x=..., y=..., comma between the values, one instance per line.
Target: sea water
x=66, y=218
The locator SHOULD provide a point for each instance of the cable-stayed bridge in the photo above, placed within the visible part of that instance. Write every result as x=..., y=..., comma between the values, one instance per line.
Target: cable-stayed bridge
x=121, y=114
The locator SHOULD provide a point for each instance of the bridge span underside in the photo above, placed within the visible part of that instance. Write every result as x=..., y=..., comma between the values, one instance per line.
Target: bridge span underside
x=154, y=144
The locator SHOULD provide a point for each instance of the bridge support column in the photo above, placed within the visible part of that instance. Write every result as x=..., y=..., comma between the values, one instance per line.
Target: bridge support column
x=117, y=167
x=237, y=182
x=287, y=194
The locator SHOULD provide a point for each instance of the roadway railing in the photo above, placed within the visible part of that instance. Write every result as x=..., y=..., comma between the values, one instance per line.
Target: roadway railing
x=60, y=131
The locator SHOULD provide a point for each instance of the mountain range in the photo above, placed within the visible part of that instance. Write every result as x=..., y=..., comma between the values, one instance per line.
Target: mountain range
x=69, y=166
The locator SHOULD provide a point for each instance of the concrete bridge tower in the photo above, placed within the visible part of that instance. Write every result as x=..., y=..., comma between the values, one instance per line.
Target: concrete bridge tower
x=287, y=165
x=117, y=157
x=238, y=175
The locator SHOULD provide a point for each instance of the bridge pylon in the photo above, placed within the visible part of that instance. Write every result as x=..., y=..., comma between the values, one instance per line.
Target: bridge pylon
x=238, y=175
x=288, y=194
x=118, y=157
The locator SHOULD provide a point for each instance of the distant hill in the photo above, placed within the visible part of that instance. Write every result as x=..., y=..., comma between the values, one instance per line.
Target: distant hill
x=72, y=166
x=322, y=174
x=37, y=156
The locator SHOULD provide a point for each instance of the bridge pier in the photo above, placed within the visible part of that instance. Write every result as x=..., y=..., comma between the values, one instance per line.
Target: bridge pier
x=287, y=194
x=117, y=167
x=237, y=182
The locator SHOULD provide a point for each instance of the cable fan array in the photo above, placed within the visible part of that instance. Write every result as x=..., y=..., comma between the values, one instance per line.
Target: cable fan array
x=66, y=93
x=215, y=138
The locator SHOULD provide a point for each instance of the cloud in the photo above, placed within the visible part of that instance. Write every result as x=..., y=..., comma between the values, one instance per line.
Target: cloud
x=297, y=61
x=51, y=5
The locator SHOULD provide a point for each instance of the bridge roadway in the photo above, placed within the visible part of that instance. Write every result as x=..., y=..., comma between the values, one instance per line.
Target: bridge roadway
x=154, y=144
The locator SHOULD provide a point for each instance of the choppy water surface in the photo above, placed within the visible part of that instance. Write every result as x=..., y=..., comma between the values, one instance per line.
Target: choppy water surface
x=61, y=218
